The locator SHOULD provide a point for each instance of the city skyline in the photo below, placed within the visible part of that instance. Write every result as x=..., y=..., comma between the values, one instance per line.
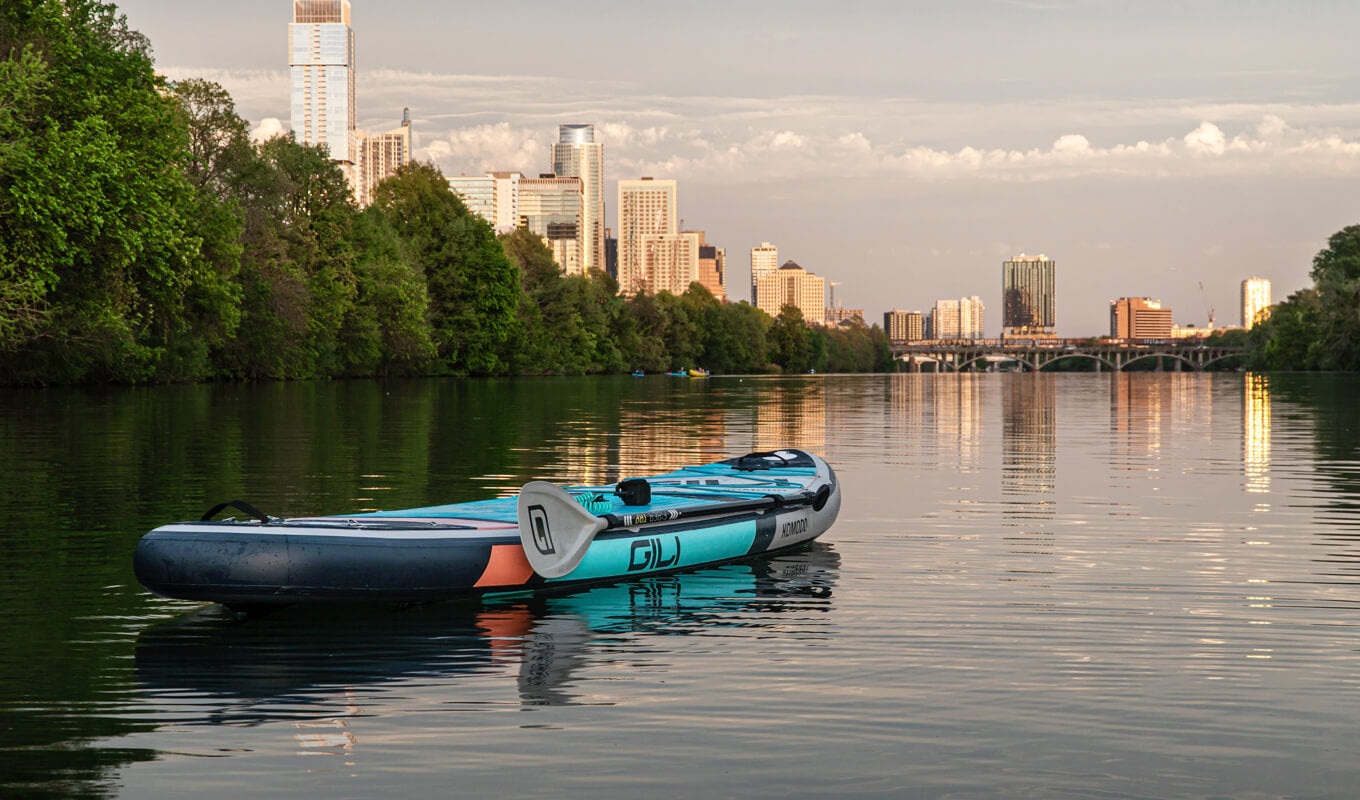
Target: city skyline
x=1200, y=144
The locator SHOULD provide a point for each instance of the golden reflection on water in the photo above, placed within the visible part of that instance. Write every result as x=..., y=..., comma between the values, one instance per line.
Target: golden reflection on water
x=1256, y=433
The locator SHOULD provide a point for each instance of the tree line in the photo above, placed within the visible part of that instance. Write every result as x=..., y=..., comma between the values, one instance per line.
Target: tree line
x=1317, y=328
x=145, y=237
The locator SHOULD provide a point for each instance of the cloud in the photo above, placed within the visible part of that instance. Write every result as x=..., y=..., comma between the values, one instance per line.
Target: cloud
x=268, y=128
x=470, y=123
x=482, y=148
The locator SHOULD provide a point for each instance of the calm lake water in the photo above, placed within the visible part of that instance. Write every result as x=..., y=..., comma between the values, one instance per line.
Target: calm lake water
x=1051, y=585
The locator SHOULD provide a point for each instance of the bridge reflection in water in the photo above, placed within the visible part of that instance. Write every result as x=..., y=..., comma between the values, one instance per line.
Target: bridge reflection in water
x=1035, y=354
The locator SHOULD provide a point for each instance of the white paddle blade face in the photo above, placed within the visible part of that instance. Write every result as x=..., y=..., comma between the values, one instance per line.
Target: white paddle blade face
x=554, y=529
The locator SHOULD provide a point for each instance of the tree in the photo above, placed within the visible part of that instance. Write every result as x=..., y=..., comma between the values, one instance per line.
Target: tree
x=96, y=250
x=791, y=341
x=473, y=287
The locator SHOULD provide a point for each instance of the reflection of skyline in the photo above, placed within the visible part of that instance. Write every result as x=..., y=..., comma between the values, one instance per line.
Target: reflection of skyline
x=1029, y=460
x=1029, y=457
x=945, y=409
x=658, y=433
x=1256, y=433
x=1149, y=410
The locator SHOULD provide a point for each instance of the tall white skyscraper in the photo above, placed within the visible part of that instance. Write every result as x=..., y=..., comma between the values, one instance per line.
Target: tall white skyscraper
x=763, y=259
x=321, y=73
x=646, y=206
x=1255, y=299
x=578, y=155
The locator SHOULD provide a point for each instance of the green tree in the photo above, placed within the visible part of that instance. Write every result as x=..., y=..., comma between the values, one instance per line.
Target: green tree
x=791, y=341
x=473, y=287
x=1336, y=274
x=96, y=251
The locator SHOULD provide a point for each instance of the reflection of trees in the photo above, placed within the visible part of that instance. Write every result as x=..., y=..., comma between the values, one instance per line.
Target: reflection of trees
x=101, y=467
x=1330, y=402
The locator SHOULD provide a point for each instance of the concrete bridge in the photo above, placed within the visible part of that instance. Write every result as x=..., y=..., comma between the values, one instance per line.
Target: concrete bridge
x=1035, y=354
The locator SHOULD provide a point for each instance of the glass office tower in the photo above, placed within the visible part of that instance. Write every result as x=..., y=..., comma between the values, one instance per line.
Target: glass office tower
x=321, y=72
x=578, y=155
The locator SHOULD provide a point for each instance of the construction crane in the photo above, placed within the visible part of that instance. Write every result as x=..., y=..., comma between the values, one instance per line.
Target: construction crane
x=1207, y=309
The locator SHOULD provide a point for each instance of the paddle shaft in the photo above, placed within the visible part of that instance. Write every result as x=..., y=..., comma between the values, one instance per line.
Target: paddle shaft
x=671, y=514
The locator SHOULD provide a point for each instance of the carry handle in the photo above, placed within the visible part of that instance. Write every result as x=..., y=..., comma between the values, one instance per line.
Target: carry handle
x=237, y=504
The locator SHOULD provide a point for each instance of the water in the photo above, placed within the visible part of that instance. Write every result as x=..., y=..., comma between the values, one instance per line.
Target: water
x=1068, y=585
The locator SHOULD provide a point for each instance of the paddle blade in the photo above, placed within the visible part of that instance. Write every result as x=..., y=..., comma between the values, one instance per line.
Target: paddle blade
x=554, y=529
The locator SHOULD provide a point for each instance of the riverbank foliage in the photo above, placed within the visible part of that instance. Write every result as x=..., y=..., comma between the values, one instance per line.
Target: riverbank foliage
x=1316, y=328
x=144, y=237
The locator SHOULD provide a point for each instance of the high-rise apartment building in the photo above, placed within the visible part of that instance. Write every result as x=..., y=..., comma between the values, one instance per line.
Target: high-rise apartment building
x=1139, y=318
x=670, y=261
x=550, y=206
x=1255, y=301
x=763, y=259
x=970, y=317
x=791, y=285
x=903, y=326
x=578, y=155
x=944, y=320
x=378, y=155
x=321, y=76
x=646, y=207
x=1029, y=296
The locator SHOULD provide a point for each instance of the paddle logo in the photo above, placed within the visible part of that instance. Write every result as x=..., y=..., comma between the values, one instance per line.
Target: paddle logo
x=538, y=523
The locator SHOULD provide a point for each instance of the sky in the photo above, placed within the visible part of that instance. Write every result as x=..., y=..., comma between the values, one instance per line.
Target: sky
x=901, y=149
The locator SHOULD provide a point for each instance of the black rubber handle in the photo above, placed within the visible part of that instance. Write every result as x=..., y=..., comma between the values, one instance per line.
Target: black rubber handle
x=237, y=504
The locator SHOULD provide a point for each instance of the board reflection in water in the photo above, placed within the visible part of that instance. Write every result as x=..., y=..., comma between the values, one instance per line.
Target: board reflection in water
x=290, y=664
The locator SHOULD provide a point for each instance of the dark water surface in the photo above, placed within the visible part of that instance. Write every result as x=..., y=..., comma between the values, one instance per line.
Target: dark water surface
x=1066, y=585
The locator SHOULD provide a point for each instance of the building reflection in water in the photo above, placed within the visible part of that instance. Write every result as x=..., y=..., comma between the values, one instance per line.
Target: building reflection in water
x=1256, y=433
x=940, y=410
x=1029, y=459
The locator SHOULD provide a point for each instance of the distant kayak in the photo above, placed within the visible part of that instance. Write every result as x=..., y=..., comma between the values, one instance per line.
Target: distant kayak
x=637, y=373
x=680, y=374
x=547, y=538
x=698, y=373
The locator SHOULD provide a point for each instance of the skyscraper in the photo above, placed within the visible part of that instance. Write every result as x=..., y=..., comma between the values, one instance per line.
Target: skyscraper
x=970, y=317
x=1255, y=300
x=671, y=260
x=646, y=206
x=1029, y=295
x=379, y=155
x=903, y=326
x=763, y=259
x=551, y=207
x=578, y=155
x=321, y=73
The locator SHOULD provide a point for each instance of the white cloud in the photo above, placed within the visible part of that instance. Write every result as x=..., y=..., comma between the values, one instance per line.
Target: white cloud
x=268, y=128
x=488, y=147
x=1207, y=139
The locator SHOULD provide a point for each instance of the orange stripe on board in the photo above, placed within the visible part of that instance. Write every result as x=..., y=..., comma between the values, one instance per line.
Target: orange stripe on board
x=507, y=567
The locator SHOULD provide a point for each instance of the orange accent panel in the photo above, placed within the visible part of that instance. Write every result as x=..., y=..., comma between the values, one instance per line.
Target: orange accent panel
x=507, y=567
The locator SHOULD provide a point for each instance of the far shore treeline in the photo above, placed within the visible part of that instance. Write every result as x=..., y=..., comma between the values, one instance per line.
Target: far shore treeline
x=144, y=237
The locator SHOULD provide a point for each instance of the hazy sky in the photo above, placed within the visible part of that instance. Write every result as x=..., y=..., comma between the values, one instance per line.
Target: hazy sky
x=903, y=149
